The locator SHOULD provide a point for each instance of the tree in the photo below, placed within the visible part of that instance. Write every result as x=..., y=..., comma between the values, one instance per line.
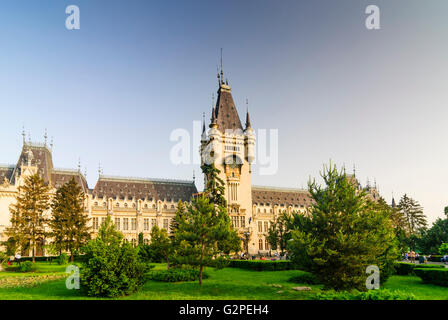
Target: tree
x=413, y=217
x=112, y=267
x=200, y=232
x=431, y=239
x=279, y=232
x=69, y=223
x=160, y=246
x=174, y=225
x=443, y=248
x=344, y=233
x=28, y=220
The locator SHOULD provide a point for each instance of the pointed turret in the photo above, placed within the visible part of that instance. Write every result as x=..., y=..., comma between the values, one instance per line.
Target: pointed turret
x=248, y=125
x=225, y=112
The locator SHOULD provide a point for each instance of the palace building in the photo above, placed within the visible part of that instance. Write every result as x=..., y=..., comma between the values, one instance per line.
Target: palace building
x=138, y=204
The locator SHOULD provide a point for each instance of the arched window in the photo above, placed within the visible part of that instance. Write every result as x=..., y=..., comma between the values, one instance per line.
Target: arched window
x=117, y=205
x=260, y=244
x=266, y=244
x=125, y=205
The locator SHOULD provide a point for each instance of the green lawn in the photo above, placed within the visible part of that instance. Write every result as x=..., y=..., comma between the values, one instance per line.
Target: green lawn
x=229, y=283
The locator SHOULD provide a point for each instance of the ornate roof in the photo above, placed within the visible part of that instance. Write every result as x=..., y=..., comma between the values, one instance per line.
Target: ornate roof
x=39, y=155
x=6, y=172
x=280, y=196
x=144, y=188
x=225, y=112
x=60, y=177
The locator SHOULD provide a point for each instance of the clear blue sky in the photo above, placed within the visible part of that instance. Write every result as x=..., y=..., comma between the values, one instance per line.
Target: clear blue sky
x=113, y=91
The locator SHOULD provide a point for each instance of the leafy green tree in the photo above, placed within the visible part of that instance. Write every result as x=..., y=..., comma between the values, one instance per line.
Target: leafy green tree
x=69, y=224
x=160, y=246
x=280, y=232
x=28, y=220
x=112, y=267
x=443, y=249
x=413, y=216
x=141, y=239
x=431, y=239
x=344, y=233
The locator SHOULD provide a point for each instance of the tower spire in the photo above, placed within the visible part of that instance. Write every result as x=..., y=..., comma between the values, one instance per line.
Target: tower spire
x=45, y=137
x=222, y=73
x=23, y=135
x=248, y=125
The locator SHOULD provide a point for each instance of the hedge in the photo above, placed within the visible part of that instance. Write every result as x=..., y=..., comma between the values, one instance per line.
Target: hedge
x=433, y=276
x=382, y=294
x=175, y=275
x=304, y=277
x=262, y=265
x=404, y=268
x=78, y=258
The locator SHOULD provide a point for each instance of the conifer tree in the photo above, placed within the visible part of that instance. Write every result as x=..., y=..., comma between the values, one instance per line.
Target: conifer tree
x=345, y=233
x=69, y=224
x=28, y=219
x=414, y=218
x=205, y=231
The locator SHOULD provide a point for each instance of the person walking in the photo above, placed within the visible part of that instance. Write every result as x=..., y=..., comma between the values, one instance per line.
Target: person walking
x=18, y=257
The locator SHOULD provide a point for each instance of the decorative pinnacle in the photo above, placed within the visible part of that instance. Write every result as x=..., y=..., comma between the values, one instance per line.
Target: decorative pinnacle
x=23, y=134
x=45, y=137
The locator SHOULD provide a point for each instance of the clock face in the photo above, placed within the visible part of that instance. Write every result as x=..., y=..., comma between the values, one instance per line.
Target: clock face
x=234, y=165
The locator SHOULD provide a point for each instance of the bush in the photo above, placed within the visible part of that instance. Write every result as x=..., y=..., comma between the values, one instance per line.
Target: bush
x=111, y=270
x=433, y=276
x=26, y=266
x=304, y=277
x=382, y=294
x=62, y=259
x=435, y=258
x=112, y=267
x=404, y=269
x=175, y=275
x=262, y=265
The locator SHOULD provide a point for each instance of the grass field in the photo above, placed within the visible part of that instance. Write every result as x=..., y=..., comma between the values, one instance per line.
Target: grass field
x=229, y=283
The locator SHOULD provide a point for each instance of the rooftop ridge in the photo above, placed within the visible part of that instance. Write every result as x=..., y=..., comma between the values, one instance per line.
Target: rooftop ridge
x=36, y=145
x=139, y=179
x=278, y=189
x=9, y=166
x=65, y=170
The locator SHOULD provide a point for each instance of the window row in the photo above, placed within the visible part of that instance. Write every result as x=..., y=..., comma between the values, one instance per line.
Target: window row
x=266, y=244
x=238, y=222
x=265, y=224
x=147, y=226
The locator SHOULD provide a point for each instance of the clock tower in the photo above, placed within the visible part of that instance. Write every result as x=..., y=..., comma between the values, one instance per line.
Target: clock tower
x=231, y=148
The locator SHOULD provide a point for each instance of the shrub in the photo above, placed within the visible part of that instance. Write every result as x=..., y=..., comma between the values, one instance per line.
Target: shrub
x=62, y=259
x=26, y=266
x=435, y=258
x=383, y=294
x=175, y=275
x=304, y=277
x=433, y=276
x=112, y=268
x=404, y=269
x=262, y=265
